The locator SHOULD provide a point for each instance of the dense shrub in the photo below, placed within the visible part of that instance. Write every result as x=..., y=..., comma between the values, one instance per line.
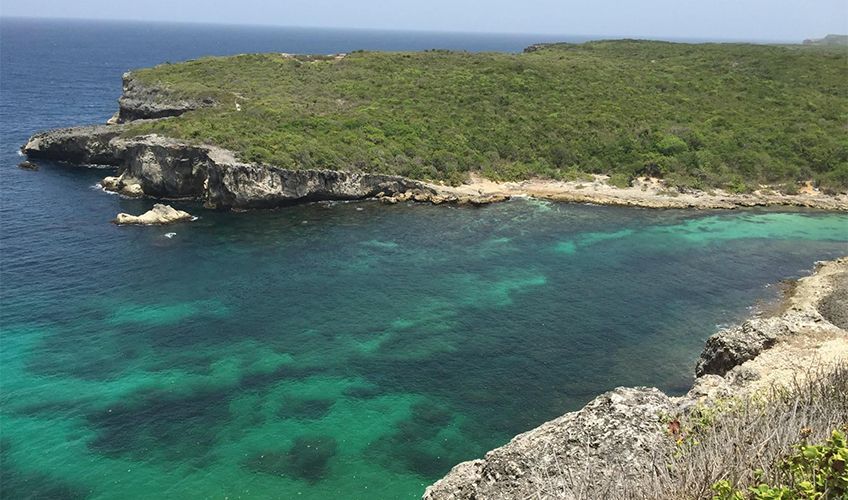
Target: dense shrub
x=723, y=115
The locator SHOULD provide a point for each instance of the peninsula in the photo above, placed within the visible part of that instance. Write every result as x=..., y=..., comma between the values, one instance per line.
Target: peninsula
x=626, y=122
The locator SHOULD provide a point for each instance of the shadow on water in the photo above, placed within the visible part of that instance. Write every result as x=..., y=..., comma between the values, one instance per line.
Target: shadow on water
x=307, y=459
x=19, y=484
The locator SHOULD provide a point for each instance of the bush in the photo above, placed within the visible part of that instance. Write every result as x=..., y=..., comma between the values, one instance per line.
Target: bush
x=812, y=472
x=620, y=180
x=671, y=145
x=762, y=114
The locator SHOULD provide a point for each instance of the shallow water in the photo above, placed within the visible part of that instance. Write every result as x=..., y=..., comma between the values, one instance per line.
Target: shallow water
x=348, y=350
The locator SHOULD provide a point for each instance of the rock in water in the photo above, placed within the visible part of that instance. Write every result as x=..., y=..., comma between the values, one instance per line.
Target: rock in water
x=123, y=185
x=27, y=165
x=159, y=214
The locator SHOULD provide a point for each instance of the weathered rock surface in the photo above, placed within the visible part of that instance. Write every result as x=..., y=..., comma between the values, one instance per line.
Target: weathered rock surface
x=90, y=145
x=164, y=168
x=159, y=214
x=122, y=185
x=616, y=433
x=140, y=101
x=734, y=346
x=27, y=165
x=241, y=185
x=432, y=194
x=834, y=307
x=167, y=168
x=590, y=453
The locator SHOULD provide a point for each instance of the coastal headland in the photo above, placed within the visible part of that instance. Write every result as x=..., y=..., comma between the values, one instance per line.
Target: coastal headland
x=646, y=124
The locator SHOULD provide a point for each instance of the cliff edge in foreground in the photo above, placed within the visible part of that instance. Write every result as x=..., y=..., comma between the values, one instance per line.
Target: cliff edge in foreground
x=623, y=436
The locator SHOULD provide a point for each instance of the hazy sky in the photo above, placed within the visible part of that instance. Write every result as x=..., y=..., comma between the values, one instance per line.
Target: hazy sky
x=721, y=19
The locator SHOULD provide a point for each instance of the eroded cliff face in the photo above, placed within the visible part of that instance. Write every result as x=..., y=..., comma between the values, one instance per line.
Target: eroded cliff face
x=140, y=101
x=89, y=145
x=161, y=167
x=168, y=168
x=623, y=426
x=590, y=453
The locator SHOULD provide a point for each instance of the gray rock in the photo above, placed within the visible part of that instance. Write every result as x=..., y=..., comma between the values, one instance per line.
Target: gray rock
x=733, y=346
x=168, y=168
x=80, y=145
x=263, y=186
x=614, y=437
x=164, y=168
x=834, y=307
x=27, y=165
x=141, y=101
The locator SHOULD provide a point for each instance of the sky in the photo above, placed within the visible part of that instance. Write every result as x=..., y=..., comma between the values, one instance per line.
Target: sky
x=779, y=20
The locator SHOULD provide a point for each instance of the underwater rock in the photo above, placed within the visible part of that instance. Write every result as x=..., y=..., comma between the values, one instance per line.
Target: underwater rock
x=307, y=459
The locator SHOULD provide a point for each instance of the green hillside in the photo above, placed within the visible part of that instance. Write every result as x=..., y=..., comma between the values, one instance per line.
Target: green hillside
x=725, y=115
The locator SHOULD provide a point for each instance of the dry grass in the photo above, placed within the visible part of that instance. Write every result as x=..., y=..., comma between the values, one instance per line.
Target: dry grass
x=739, y=440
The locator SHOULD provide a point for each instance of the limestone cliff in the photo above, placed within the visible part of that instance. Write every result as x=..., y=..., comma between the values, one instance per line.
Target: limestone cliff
x=166, y=168
x=142, y=101
x=161, y=167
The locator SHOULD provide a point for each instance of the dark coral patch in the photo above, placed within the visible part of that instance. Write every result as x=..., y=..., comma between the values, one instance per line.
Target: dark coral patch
x=307, y=459
x=180, y=427
x=305, y=409
x=363, y=391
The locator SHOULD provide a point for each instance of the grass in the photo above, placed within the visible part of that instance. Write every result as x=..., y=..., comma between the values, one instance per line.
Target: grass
x=732, y=447
x=700, y=115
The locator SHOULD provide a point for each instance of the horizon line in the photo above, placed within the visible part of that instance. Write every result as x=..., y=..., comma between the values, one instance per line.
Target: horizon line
x=589, y=37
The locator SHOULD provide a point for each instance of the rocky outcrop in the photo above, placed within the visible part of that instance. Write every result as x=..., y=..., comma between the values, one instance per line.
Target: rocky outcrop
x=27, y=165
x=590, y=453
x=163, y=168
x=834, y=307
x=122, y=185
x=167, y=168
x=159, y=214
x=734, y=346
x=90, y=145
x=622, y=427
x=234, y=184
x=144, y=101
x=435, y=196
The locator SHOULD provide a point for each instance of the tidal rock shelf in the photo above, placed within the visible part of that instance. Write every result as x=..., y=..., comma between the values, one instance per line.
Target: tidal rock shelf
x=626, y=426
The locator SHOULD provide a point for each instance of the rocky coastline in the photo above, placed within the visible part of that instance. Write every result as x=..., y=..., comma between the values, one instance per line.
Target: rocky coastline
x=628, y=425
x=165, y=168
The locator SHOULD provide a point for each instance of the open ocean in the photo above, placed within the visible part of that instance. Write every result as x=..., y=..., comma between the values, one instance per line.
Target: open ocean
x=341, y=350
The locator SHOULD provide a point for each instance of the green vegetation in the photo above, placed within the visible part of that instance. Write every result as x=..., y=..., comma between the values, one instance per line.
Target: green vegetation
x=815, y=472
x=708, y=115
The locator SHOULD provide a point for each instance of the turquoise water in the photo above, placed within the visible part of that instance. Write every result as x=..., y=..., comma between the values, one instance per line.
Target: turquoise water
x=352, y=350
x=325, y=351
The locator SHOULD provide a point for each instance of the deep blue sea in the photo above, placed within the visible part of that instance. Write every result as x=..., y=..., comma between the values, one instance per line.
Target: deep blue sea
x=341, y=350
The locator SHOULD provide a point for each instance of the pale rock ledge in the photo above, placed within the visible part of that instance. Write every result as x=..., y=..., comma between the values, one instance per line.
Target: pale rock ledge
x=159, y=214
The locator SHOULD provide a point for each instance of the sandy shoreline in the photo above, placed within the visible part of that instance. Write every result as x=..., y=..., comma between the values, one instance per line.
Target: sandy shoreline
x=645, y=192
